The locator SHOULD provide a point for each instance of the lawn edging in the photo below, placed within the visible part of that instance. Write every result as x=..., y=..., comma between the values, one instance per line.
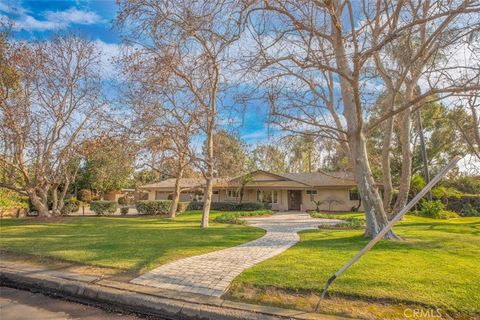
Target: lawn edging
x=120, y=297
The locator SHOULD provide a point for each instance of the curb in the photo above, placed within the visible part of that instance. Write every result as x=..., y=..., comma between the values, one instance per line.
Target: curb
x=147, y=304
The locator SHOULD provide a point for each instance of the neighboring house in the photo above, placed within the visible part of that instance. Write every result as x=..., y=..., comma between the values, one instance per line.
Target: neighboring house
x=285, y=191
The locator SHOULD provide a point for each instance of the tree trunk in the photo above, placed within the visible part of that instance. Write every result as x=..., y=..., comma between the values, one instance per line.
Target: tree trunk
x=374, y=213
x=386, y=168
x=406, y=172
x=39, y=201
x=426, y=173
x=209, y=178
x=176, y=194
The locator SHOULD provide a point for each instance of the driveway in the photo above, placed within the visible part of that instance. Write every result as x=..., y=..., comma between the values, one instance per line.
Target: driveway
x=211, y=274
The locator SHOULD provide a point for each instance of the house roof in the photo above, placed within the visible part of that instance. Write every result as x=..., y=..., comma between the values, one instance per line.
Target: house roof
x=279, y=180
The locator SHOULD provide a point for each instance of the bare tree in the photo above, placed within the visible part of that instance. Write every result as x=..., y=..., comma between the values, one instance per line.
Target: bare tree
x=305, y=44
x=190, y=42
x=44, y=114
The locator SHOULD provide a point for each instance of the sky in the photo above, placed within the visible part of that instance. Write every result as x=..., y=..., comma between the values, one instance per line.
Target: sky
x=94, y=19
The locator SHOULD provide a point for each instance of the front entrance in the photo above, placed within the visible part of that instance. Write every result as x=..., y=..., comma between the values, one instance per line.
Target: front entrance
x=294, y=199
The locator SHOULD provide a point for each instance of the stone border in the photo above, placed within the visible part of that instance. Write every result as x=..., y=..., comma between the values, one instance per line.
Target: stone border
x=133, y=298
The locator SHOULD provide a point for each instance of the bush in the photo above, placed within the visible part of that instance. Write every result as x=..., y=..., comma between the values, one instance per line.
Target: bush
x=459, y=205
x=195, y=205
x=435, y=210
x=71, y=205
x=84, y=195
x=122, y=201
x=470, y=211
x=102, y=207
x=124, y=210
x=234, y=217
x=153, y=206
x=182, y=206
x=10, y=199
x=466, y=184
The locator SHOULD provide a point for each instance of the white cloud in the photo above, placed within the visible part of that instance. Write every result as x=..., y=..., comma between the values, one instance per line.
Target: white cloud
x=51, y=20
x=72, y=16
x=110, y=51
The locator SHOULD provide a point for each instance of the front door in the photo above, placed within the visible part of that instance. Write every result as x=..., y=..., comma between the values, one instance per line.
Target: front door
x=294, y=199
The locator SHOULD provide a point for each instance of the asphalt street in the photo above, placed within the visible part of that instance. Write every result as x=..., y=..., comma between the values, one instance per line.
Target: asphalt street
x=24, y=305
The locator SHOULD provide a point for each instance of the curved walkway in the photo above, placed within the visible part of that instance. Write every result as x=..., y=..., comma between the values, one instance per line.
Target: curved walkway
x=211, y=274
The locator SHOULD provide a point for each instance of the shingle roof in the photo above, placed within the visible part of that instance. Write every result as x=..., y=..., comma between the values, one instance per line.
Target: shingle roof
x=321, y=179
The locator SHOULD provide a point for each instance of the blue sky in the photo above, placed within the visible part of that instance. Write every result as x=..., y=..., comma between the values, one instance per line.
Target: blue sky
x=94, y=19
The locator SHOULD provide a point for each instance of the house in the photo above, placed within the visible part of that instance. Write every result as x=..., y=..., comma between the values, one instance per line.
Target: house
x=285, y=191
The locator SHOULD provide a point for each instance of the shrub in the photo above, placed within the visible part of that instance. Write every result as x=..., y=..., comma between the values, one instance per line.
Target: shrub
x=71, y=205
x=458, y=204
x=435, y=210
x=153, y=206
x=122, y=201
x=102, y=207
x=195, y=205
x=469, y=210
x=234, y=217
x=11, y=199
x=124, y=210
x=84, y=195
x=182, y=206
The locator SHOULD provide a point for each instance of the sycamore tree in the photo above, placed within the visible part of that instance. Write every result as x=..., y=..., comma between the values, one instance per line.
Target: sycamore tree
x=230, y=158
x=316, y=62
x=189, y=42
x=50, y=96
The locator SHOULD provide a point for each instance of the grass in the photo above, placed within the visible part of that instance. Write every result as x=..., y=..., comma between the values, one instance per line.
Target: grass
x=437, y=264
x=126, y=243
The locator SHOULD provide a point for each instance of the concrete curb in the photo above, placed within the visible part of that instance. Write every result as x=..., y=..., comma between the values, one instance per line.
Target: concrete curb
x=115, y=297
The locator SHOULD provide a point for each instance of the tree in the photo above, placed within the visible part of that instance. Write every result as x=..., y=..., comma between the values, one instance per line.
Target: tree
x=51, y=93
x=108, y=164
x=189, y=42
x=229, y=156
x=308, y=49
x=268, y=157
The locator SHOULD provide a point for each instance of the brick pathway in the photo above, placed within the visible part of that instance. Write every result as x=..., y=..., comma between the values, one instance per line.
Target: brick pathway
x=211, y=274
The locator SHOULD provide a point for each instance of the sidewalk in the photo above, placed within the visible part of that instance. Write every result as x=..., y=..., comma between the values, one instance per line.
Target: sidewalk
x=124, y=296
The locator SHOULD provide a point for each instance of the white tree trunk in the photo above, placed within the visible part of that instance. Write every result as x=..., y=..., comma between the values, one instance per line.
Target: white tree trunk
x=386, y=168
x=176, y=194
x=406, y=172
x=209, y=178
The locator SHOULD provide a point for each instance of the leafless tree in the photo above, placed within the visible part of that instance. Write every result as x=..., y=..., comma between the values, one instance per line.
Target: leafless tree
x=190, y=42
x=332, y=45
x=44, y=114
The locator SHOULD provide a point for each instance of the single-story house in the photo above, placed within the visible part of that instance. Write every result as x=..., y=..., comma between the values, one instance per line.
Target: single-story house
x=285, y=191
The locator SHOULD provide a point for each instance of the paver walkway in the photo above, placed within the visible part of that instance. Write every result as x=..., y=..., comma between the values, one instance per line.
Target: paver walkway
x=211, y=274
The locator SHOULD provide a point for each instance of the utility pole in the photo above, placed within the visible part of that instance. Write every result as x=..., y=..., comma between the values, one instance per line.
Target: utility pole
x=423, y=149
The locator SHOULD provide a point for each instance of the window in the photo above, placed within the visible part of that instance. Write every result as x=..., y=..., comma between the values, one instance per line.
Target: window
x=232, y=193
x=354, y=195
x=215, y=192
x=312, y=194
x=267, y=196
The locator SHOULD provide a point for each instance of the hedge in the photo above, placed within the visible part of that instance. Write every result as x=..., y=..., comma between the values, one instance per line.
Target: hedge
x=153, y=206
x=464, y=204
x=102, y=207
x=234, y=217
x=231, y=206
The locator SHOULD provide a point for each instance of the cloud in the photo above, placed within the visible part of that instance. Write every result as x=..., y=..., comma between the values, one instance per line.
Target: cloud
x=110, y=51
x=50, y=20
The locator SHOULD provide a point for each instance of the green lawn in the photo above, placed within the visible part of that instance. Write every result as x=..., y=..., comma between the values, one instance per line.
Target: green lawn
x=132, y=244
x=437, y=264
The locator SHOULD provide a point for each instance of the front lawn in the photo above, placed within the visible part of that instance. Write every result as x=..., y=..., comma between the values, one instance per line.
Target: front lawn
x=437, y=264
x=133, y=244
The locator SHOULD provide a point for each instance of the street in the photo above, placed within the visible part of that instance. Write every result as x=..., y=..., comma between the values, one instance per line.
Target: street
x=20, y=305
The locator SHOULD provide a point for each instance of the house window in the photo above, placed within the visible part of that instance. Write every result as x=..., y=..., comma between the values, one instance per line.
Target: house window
x=312, y=194
x=267, y=196
x=232, y=193
x=354, y=195
x=215, y=192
